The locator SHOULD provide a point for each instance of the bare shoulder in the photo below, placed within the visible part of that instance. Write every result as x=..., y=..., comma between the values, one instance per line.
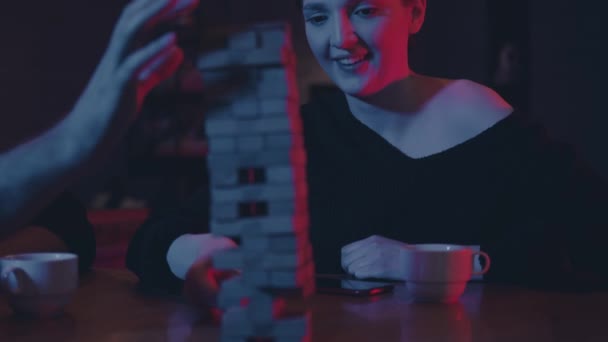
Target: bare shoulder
x=472, y=104
x=475, y=98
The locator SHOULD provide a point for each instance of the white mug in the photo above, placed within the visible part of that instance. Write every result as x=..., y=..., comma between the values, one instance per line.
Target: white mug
x=39, y=284
x=439, y=272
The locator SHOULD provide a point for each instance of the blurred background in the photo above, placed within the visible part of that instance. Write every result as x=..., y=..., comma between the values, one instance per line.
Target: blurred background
x=546, y=57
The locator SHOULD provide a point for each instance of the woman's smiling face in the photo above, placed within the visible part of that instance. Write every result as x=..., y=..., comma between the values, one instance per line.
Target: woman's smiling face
x=362, y=44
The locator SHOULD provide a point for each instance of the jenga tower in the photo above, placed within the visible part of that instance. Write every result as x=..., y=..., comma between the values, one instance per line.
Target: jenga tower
x=257, y=167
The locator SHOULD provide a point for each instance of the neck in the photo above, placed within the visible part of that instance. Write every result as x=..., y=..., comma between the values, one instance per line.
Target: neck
x=405, y=97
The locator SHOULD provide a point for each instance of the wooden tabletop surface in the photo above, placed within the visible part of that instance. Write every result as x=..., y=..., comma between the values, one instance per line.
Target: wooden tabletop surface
x=107, y=307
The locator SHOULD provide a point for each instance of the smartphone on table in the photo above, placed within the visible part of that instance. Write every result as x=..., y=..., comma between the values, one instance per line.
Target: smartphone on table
x=352, y=287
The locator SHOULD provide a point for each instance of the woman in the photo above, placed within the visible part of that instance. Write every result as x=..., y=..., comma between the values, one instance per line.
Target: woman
x=397, y=157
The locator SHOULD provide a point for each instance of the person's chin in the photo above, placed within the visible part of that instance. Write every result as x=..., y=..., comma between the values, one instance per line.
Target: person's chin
x=351, y=87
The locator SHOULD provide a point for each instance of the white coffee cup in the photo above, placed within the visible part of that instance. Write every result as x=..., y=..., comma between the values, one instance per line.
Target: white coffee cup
x=39, y=284
x=439, y=272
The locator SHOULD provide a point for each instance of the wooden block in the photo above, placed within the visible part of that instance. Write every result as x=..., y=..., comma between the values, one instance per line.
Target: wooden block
x=278, y=244
x=284, y=140
x=225, y=178
x=237, y=258
x=236, y=322
x=271, y=55
x=256, y=278
x=218, y=163
x=293, y=279
x=245, y=108
x=260, y=226
x=222, y=145
x=215, y=60
x=264, y=309
x=292, y=327
x=223, y=212
x=232, y=292
x=236, y=127
x=280, y=279
x=247, y=40
x=273, y=106
x=246, y=193
x=231, y=259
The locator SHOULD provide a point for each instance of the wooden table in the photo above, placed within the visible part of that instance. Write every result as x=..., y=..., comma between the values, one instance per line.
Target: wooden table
x=108, y=308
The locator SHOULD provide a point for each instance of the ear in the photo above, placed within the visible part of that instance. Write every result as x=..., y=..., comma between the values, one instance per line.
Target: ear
x=418, y=8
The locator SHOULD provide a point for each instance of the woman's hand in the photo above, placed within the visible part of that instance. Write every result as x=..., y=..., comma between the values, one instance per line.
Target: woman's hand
x=374, y=257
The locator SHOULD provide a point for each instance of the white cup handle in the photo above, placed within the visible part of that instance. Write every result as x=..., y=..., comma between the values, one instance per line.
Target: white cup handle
x=487, y=265
x=4, y=278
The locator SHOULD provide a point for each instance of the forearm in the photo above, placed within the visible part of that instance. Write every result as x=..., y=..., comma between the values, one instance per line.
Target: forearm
x=38, y=170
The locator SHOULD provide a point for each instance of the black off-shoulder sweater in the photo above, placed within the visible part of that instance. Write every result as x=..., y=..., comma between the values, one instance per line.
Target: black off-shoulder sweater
x=528, y=202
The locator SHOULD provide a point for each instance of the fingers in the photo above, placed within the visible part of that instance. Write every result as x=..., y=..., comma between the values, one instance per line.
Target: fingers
x=349, y=258
x=145, y=57
x=357, y=249
x=157, y=70
x=368, y=271
x=136, y=6
x=370, y=257
x=144, y=14
x=161, y=67
x=374, y=256
x=177, y=9
x=360, y=264
x=377, y=267
x=353, y=252
x=354, y=246
x=358, y=244
x=131, y=20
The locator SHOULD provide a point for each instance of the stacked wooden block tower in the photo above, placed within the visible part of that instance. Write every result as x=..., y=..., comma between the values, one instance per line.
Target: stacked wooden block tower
x=257, y=168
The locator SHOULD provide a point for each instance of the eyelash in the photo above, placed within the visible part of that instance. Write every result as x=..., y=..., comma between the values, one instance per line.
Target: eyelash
x=320, y=18
x=313, y=19
x=373, y=11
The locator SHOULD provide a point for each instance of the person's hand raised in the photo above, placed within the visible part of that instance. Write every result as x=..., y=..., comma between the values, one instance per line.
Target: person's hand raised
x=127, y=72
x=374, y=257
